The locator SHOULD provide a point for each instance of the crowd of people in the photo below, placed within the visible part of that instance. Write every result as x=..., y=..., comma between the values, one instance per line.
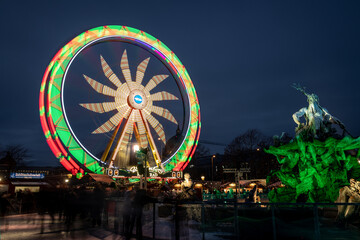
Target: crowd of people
x=91, y=204
x=88, y=204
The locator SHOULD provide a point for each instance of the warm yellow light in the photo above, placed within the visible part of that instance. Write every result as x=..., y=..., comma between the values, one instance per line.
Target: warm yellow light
x=252, y=184
x=203, y=178
x=66, y=180
x=136, y=148
x=198, y=185
x=69, y=175
x=214, y=156
x=178, y=185
x=232, y=185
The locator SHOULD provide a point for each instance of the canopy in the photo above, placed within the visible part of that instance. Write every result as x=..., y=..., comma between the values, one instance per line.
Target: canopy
x=101, y=178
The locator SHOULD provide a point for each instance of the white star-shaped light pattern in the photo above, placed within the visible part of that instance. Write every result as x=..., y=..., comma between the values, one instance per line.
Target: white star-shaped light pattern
x=133, y=103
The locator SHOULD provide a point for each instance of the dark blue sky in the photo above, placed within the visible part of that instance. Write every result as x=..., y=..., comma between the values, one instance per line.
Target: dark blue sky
x=242, y=57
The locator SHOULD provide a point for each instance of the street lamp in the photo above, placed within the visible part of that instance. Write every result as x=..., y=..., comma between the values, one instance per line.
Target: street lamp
x=212, y=167
x=136, y=148
x=203, y=178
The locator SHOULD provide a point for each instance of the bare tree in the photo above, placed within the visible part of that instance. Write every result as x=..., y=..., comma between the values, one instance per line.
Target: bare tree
x=16, y=152
x=196, y=168
x=246, y=150
x=252, y=139
x=201, y=151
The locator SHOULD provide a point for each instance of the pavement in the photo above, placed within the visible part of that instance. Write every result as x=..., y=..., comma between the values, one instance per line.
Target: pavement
x=34, y=226
x=38, y=227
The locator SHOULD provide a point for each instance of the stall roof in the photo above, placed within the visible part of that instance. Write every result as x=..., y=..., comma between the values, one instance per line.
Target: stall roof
x=101, y=178
x=259, y=181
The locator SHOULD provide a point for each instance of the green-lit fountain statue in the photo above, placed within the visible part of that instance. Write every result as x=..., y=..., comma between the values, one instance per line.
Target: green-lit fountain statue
x=319, y=161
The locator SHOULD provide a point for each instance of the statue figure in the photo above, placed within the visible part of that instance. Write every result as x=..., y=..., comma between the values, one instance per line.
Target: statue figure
x=318, y=121
x=187, y=192
x=253, y=197
x=348, y=194
x=318, y=161
x=187, y=183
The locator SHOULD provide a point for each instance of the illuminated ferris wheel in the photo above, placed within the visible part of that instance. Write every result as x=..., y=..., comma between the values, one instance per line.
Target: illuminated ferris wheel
x=113, y=88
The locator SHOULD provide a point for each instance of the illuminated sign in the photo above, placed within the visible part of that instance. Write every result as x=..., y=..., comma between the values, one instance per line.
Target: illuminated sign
x=138, y=99
x=153, y=171
x=177, y=174
x=27, y=175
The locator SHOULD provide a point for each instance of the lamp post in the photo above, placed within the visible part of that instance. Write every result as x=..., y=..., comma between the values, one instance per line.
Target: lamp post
x=212, y=168
x=137, y=148
x=146, y=171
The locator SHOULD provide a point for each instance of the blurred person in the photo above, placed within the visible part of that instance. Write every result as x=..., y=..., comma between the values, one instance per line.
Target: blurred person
x=4, y=210
x=44, y=203
x=140, y=199
x=70, y=209
x=126, y=211
x=111, y=192
x=83, y=203
x=98, y=197
x=28, y=204
x=28, y=201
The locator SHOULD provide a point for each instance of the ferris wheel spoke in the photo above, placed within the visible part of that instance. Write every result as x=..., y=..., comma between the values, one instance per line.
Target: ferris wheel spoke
x=109, y=72
x=163, y=112
x=156, y=125
x=100, y=88
x=154, y=81
x=124, y=65
x=141, y=70
x=152, y=144
x=95, y=107
x=142, y=139
x=112, y=122
x=160, y=96
x=99, y=107
x=106, y=127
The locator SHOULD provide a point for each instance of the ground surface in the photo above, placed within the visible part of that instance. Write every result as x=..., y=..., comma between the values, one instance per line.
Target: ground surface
x=252, y=224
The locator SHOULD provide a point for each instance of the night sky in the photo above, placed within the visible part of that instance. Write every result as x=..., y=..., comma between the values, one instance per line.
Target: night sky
x=242, y=57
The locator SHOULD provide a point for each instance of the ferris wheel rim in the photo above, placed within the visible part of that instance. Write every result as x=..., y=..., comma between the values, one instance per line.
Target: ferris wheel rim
x=49, y=119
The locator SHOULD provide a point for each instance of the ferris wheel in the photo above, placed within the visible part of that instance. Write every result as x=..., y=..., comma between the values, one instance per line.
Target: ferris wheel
x=113, y=88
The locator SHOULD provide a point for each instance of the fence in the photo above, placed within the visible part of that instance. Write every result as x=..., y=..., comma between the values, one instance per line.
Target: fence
x=232, y=220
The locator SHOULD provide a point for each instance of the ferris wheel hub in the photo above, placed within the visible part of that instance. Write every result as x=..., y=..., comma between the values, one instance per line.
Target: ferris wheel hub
x=137, y=99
